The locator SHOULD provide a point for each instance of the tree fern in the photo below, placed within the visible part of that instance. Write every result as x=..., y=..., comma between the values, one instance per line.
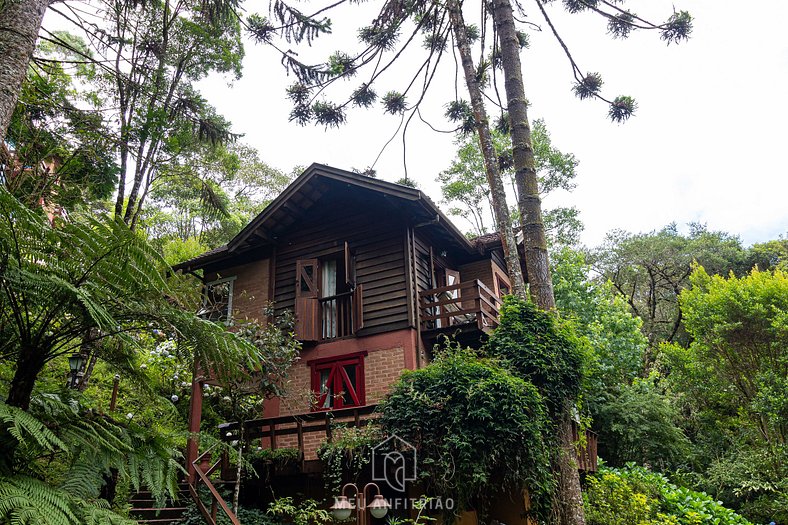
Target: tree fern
x=92, y=276
x=90, y=446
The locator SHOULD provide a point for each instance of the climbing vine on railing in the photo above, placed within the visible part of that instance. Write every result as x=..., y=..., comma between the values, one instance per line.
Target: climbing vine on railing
x=347, y=454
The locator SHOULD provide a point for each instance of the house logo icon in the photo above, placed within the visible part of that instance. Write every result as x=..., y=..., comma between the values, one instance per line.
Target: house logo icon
x=394, y=461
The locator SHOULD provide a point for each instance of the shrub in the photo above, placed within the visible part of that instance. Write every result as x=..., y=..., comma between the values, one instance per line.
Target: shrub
x=540, y=350
x=635, y=495
x=477, y=428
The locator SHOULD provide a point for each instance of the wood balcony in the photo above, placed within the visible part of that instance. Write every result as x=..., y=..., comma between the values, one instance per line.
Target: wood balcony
x=465, y=308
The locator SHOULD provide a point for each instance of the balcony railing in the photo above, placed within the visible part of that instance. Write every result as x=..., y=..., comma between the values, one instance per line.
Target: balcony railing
x=336, y=316
x=459, y=304
x=274, y=428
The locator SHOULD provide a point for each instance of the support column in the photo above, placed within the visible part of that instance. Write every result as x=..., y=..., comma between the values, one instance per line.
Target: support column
x=195, y=418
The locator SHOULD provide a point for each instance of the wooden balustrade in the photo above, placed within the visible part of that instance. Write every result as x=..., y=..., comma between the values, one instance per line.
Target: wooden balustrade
x=459, y=304
x=217, y=502
x=336, y=316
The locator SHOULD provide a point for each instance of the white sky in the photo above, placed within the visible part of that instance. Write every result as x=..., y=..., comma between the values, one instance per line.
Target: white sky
x=704, y=145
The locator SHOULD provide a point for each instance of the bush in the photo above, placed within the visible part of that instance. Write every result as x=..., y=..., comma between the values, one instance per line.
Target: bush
x=477, y=428
x=635, y=495
x=540, y=350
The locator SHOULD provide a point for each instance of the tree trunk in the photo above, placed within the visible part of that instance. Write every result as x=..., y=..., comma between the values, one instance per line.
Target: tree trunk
x=239, y=468
x=569, y=499
x=20, y=21
x=28, y=366
x=529, y=203
x=497, y=191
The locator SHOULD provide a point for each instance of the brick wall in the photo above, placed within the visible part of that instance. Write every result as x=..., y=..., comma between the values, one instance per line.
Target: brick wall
x=387, y=356
x=250, y=288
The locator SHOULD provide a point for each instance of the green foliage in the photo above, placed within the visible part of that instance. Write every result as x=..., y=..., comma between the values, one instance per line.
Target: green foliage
x=96, y=277
x=479, y=430
x=634, y=495
x=465, y=189
x=731, y=382
x=769, y=255
x=650, y=269
x=641, y=423
x=219, y=190
x=306, y=512
x=539, y=349
x=86, y=446
x=603, y=318
x=740, y=332
x=346, y=455
x=62, y=148
x=278, y=457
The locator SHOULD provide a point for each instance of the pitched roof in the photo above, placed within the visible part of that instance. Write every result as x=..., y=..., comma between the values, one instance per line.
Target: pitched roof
x=305, y=191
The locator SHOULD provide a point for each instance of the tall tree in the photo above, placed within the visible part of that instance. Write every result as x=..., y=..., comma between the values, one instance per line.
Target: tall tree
x=651, y=269
x=19, y=25
x=60, y=147
x=481, y=122
x=465, y=188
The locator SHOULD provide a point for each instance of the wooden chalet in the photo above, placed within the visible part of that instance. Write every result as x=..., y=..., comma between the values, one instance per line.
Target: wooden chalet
x=374, y=273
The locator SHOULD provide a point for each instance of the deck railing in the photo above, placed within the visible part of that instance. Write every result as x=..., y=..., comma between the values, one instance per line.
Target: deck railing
x=204, y=478
x=274, y=428
x=298, y=425
x=459, y=304
x=336, y=316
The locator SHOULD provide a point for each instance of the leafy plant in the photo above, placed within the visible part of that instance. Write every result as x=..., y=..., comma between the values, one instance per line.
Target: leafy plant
x=540, y=350
x=478, y=429
x=306, y=512
x=346, y=455
x=86, y=447
x=635, y=495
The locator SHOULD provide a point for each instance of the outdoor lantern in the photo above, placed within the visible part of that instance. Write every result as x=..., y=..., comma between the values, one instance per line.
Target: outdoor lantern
x=341, y=508
x=75, y=363
x=379, y=507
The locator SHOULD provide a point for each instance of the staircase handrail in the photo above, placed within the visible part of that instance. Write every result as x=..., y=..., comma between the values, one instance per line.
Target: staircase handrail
x=216, y=500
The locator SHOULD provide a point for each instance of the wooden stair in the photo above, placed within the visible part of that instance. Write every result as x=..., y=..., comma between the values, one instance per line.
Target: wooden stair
x=145, y=510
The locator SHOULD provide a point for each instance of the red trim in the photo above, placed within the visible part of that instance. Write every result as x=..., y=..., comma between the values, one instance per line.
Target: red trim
x=320, y=360
x=339, y=380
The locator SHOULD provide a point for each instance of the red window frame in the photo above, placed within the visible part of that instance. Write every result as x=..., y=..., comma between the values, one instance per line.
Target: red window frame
x=340, y=381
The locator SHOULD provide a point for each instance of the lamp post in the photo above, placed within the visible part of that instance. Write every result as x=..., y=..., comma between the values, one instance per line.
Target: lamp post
x=342, y=507
x=75, y=364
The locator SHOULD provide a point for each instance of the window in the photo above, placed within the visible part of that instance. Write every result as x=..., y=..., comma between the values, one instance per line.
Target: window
x=501, y=281
x=338, y=382
x=328, y=301
x=218, y=300
x=501, y=286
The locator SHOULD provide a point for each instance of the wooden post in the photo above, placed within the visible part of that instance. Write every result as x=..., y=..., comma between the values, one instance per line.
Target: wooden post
x=329, y=437
x=195, y=417
x=273, y=436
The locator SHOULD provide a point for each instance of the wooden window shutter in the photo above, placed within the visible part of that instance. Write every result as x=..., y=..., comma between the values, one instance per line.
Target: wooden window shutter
x=358, y=308
x=306, y=300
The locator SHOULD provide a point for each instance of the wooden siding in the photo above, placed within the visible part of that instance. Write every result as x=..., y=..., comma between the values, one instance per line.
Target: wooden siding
x=378, y=247
x=424, y=277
